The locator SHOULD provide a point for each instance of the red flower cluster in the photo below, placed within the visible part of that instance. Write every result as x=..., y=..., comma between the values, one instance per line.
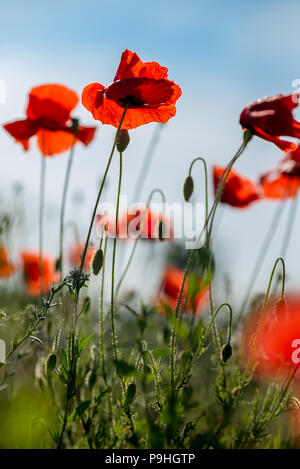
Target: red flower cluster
x=143, y=223
x=6, y=267
x=269, y=118
x=76, y=252
x=32, y=272
x=49, y=118
x=277, y=345
x=142, y=87
x=170, y=289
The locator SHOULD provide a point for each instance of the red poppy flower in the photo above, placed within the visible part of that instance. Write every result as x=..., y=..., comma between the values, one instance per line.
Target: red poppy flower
x=76, y=252
x=277, y=345
x=48, y=117
x=238, y=191
x=283, y=182
x=129, y=225
x=170, y=289
x=271, y=118
x=32, y=273
x=143, y=87
x=6, y=267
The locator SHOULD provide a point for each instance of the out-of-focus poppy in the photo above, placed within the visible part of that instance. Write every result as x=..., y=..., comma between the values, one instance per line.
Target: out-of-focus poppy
x=32, y=272
x=140, y=222
x=49, y=118
x=142, y=87
x=6, y=267
x=196, y=288
x=76, y=252
x=238, y=191
x=276, y=349
x=271, y=118
x=283, y=182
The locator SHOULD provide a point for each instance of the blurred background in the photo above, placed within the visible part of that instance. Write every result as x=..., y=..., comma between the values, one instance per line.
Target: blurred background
x=222, y=54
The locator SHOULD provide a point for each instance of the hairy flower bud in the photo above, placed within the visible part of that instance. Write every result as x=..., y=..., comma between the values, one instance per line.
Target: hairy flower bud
x=123, y=140
x=226, y=352
x=188, y=188
x=97, y=262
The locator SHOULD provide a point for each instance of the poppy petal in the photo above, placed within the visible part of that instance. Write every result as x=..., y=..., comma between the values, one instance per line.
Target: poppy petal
x=132, y=66
x=111, y=113
x=52, y=102
x=143, y=92
x=51, y=143
x=86, y=134
x=92, y=97
x=22, y=130
x=280, y=187
x=238, y=191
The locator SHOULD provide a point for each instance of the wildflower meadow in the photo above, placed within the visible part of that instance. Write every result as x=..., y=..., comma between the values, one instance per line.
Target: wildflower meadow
x=120, y=334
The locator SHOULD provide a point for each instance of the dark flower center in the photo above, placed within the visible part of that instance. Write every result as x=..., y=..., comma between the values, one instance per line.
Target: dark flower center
x=130, y=101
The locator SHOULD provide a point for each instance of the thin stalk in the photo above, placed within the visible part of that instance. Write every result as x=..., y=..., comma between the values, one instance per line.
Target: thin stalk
x=261, y=256
x=41, y=220
x=100, y=190
x=146, y=163
x=112, y=306
x=210, y=216
x=137, y=238
x=63, y=205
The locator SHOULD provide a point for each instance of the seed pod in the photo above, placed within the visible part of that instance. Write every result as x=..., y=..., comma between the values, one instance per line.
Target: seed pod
x=123, y=140
x=280, y=310
x=58, y=264
x=97, y=262
x=226, y=352
x=188, y=188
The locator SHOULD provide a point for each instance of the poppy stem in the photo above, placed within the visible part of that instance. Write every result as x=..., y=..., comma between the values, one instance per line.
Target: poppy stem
x=261, y=256
x=146, y=163
x=100, y=190
x=112, y=305
x=64, y=199
x=211, y=216
x=41, y=220
x=138, y=237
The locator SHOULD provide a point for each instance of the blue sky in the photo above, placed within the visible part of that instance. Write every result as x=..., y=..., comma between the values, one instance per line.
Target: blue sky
x=222, y=53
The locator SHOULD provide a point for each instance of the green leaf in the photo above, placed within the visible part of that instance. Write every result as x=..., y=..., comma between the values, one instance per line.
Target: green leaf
x=82, y=408
x=84, y=342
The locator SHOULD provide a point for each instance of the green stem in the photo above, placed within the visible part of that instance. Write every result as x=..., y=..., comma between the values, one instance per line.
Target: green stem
x=63, y=205
x=138, y=237
x=41, y=219
x=211, y=216
x=146, y=163
x=100, y=190
x=261, y=257
x=112, y=306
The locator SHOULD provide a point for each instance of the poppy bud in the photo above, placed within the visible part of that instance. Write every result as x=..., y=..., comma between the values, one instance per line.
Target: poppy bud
x=188, y=188
x=58, y=264
x=280, y=310
x=248, y=134
x=123, y=140
x=226, y=352
x=161, y=230
x=97, y=262
x=51, y=364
